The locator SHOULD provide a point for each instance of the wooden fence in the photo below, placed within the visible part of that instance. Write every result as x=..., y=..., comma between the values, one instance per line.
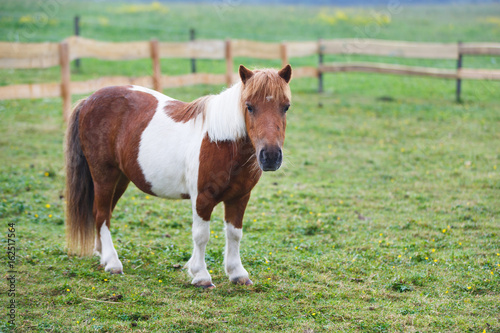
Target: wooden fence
x=373, y=47
x=43, y=55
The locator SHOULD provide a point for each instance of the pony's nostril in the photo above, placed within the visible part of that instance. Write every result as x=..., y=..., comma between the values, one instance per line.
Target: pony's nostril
x=263, y=156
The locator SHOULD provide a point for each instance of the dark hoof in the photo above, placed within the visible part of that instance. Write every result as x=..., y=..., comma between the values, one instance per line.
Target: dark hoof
x=242, y=281
x=205, y=285
x=115, y=271
x=211, y=286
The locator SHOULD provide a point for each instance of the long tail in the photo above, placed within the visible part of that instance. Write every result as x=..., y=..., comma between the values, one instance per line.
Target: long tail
x=80, y=226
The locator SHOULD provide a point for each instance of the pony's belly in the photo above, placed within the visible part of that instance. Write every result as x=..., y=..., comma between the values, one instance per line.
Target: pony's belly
x=165, y=172
x=170, y=187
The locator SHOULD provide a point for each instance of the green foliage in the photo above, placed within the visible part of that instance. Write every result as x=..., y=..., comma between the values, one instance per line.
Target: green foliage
x=400, y=286
x=384, y=217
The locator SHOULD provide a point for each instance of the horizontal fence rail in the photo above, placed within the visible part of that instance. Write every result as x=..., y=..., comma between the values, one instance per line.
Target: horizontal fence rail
x=390, y=48
x=370, y=67
x=29, y=55
x=44, y=55
x=480, y=49
x=197, y=49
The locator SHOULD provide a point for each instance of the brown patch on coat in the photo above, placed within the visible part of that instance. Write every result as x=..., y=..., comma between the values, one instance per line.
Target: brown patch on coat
x=185, y=196
x=184, y=112
x=116, y=116
x=234, y=210
x=228, y=172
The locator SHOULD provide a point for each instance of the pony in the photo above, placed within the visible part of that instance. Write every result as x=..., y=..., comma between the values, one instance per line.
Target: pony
x=211, y=150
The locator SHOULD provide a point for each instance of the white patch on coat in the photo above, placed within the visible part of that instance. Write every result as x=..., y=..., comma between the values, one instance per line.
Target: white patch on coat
x=269, y=98
x=232, y=260
x=169, y=153
x=109, y=257
x=159, y=96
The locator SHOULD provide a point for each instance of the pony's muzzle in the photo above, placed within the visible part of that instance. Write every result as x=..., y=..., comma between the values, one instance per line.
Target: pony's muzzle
x=270, y=158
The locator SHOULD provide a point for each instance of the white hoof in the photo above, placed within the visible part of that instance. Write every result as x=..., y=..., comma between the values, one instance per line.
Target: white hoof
x=114, y=267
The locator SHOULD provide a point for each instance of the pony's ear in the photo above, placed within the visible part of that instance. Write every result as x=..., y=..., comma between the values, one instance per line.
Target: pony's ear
x=245, y=74
x=286, y=73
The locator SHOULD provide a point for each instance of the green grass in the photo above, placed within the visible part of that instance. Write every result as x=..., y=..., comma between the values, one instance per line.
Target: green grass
x=384, y=217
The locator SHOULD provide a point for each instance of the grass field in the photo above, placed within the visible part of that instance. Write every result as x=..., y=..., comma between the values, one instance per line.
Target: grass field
x=384, y=218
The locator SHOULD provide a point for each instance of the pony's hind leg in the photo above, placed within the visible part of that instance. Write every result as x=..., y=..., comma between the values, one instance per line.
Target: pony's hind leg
x=104, y=193
x=120, y=188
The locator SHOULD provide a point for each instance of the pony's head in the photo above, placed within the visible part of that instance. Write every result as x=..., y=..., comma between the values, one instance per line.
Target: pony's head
x=265, y=100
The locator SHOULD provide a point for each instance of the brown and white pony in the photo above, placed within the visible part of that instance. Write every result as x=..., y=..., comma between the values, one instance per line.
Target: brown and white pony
x=211, y=150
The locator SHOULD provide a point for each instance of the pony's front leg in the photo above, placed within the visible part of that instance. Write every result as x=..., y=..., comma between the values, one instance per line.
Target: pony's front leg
x=234, y=211
x=196, y=266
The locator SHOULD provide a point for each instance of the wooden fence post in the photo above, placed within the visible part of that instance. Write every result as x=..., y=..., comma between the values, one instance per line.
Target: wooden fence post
x=155, y=58
x=284, y=54
x=65, y=79
x=229, y=63
x=77, y=33
x=459, y=66
x=193, y=61
x=320, y=63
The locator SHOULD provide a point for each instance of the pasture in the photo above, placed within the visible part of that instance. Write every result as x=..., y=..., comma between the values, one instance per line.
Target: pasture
x=384, y=217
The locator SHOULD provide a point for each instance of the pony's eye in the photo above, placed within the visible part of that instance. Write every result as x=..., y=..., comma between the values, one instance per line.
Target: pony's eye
x=285, y=109
x=249, y=108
